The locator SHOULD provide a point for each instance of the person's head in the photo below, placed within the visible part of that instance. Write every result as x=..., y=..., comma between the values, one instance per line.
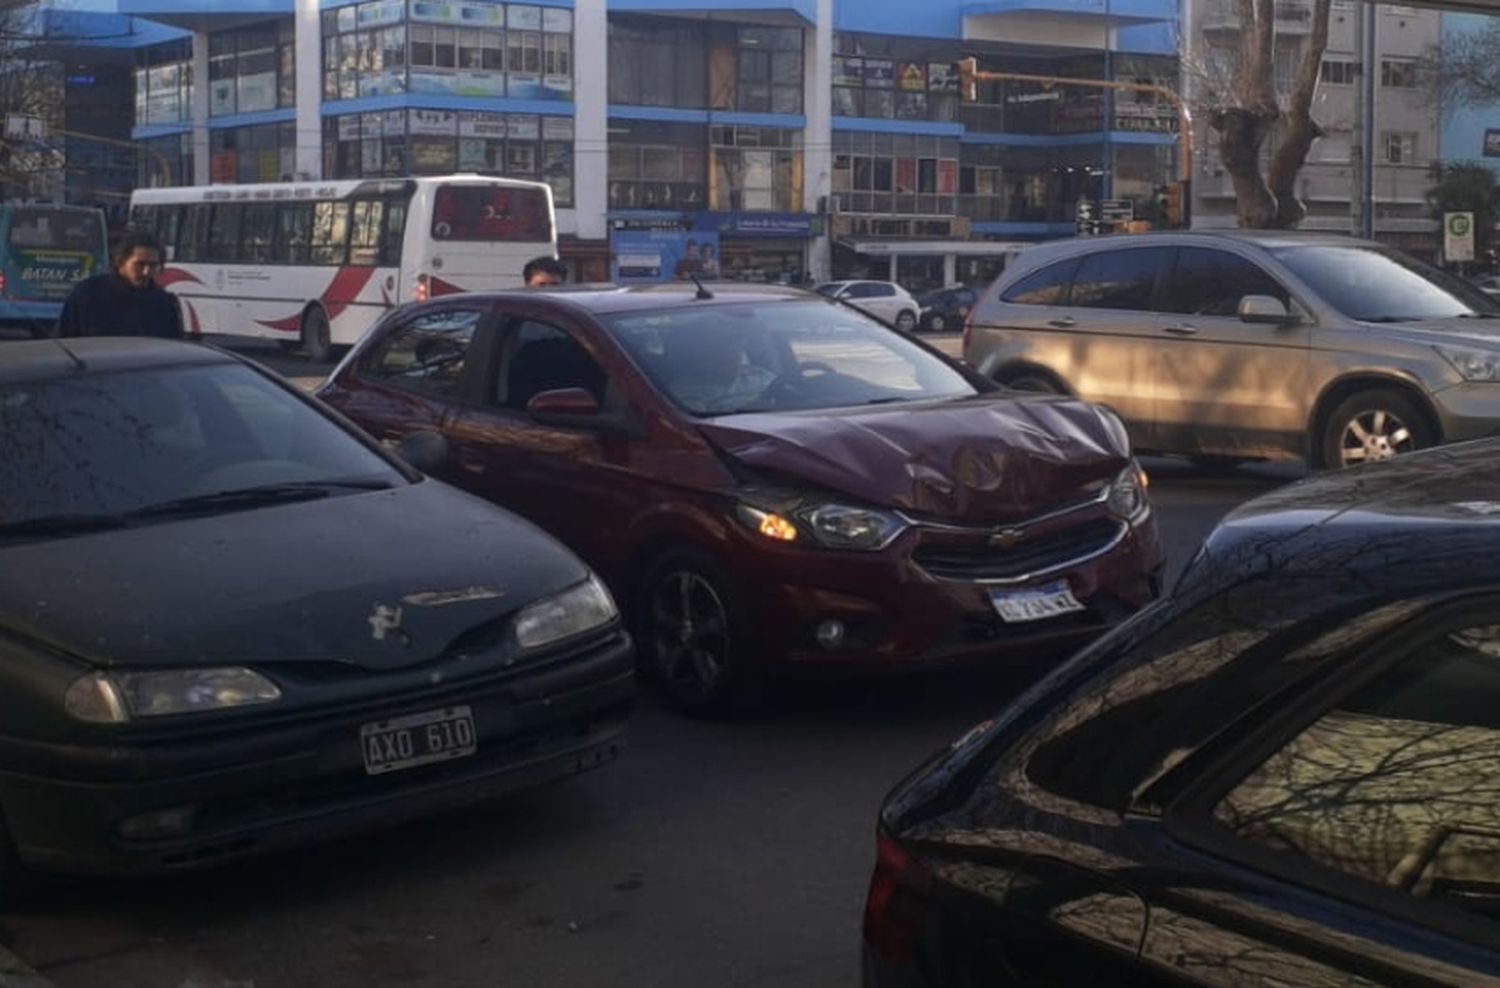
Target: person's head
x=543, y=272
x=690, y=250
x=136, y=258
x=707, y=354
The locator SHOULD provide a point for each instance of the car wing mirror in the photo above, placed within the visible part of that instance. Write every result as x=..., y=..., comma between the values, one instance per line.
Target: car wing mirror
x=575, y=408
x=426, y=451
x=1266, y=310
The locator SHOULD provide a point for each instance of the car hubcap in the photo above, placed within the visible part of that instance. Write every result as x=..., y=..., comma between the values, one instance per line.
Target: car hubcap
x=1373, y=436
x=690, y=632
x=938, y=323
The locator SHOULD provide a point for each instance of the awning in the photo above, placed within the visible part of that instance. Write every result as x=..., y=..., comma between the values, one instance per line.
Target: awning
x=968, y=248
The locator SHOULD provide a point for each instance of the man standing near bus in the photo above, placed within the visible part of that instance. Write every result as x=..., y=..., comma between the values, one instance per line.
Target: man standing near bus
x=543, y=272
x=126, y=300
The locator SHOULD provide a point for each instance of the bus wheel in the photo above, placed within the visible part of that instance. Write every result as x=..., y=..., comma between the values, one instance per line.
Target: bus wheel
x=317, y=342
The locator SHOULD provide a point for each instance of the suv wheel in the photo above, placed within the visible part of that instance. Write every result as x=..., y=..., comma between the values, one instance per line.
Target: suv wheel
x=1026, y=380
x=906, y=321
x=1374, y=425
x=937, y=322
x=695, y=638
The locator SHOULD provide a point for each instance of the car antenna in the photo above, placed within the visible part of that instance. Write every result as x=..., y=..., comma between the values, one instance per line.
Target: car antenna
x=78, y=363
x=703, y=293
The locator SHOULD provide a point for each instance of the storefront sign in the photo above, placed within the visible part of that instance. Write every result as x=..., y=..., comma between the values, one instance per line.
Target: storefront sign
x=524, y=18
x=649, y=256
x=491, y=125
x=848, y=72
x=760, y=225
x=557, y=128
x=941, y=78
x=434, y=123
x=912, y=77
x=879, y=74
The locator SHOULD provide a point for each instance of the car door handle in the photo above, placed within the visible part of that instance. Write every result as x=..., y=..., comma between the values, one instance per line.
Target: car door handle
x=1066, y=322
x=1182, y=329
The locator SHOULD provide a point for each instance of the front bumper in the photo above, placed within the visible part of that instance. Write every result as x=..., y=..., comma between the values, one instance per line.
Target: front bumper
x=1470, y=410
x=898, y=614
x=259, y=789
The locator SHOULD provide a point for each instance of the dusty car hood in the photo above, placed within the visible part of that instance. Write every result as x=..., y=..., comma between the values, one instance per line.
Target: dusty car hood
x=1480, y=332
x=380, y=580
x=980, y=460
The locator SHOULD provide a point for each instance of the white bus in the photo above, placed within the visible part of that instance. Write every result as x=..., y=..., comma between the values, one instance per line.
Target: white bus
x=316, y=263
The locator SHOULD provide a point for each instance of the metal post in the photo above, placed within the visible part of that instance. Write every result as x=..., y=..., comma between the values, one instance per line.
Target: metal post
x=1367, y=121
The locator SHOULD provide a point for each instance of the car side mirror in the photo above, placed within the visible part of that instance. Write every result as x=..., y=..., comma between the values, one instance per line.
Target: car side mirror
x=1265, y=309
x=426, y=451
x=564, y=406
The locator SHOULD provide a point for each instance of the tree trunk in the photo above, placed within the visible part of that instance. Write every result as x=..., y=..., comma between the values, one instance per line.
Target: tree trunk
x=1299, y=130
x=1243, y=127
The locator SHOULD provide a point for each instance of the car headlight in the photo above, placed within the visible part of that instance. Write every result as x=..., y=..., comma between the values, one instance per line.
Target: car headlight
x=1127, y=498
x=575, y=611
x=116, y=697
x=841, y=526
x=1473, y=365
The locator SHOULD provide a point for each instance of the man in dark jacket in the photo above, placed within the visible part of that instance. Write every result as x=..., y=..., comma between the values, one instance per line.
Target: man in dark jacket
x=126, y=301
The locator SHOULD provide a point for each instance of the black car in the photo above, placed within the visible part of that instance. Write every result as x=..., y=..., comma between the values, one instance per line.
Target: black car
x=229, y=621
x=945, y=308
x=1288, y=773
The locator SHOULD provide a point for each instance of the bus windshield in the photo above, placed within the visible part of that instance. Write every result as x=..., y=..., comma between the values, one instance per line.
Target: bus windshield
x=491, y=212
x=56, y=229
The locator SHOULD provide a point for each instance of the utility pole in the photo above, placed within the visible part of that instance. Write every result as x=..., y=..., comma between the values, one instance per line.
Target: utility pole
x=969, y=76
x=1362, y=141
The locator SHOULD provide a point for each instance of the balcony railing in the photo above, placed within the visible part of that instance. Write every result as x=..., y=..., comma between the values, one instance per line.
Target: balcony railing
x=1292, y=16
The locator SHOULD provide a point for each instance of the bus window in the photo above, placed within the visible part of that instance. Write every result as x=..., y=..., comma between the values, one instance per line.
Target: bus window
x=293, y=232
x=488, y=212
x=192, y=236
x=257, y=229
x=56, y=229
x=224, y=233
x=365, y=230
x=144, y=219
x=395, y=232
x=330, y=233
x=168, y=220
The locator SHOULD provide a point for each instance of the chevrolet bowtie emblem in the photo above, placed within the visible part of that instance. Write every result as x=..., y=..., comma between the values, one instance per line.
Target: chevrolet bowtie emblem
x=1007, y=538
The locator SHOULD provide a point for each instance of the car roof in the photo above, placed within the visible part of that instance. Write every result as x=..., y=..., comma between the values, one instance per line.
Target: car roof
x=610, y=299
x=39, y=360
x=1265, y=239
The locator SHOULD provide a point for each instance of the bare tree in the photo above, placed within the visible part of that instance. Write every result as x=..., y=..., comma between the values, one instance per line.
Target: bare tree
x=30, y=87
x=1246, y=110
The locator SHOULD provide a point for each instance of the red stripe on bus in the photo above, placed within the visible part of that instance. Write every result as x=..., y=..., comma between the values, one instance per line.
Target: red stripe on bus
x=338, y=296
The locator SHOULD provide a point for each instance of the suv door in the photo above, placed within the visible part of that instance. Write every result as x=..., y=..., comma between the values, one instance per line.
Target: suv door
x=1106, y=335
x=1225, y=386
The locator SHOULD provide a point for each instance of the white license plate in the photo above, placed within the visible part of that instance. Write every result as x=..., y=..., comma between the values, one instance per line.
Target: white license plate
x=418, y=739
x=1034, y=603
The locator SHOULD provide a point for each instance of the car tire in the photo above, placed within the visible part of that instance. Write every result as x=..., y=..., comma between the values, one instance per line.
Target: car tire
x=1029, y=380
x=694, y=638
x=937, y=322
x=906, y=321
x=317, y=335
x=1373, y=425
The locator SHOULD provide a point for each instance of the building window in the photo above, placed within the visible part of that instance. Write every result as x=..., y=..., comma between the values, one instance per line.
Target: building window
x=884, y=78
x=1398, y=73
x=452, y=49
x=1400, y=147
x=440, y=142
x=755, y=169
x=252, y=69
x=164, y=84
x=767, y=70
x=1338, y=72
x=177, y=151
x=658, y=166
x=903, y=174
x=262, y=153
x=655, y=61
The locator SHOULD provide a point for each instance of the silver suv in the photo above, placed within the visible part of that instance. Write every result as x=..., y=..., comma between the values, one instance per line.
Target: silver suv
x=1238, y=345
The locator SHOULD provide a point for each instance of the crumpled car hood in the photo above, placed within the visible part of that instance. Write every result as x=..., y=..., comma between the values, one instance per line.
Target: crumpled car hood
x=379, y=581
x=980, y=460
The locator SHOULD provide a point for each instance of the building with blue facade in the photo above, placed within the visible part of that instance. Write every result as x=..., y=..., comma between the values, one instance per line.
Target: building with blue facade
x=797, y=137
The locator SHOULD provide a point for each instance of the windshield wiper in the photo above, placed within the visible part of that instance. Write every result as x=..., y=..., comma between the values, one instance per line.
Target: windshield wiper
x=892, y=400
x=1386, y=319
x=61, y=525
x=253, y=497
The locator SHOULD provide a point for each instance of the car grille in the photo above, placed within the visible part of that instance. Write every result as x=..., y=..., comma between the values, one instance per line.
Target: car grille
x=1054, y=550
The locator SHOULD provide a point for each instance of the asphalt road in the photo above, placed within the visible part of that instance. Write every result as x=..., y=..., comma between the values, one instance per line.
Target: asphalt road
x=732, y=855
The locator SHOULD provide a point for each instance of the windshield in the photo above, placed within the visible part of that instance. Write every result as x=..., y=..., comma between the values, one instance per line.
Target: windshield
x=829, y=288
x=1375, y=285
x=57, y=229
x=781, y=356
x=111, y=444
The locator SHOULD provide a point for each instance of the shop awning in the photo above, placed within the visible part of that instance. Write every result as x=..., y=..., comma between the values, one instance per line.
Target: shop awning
x=961, y=248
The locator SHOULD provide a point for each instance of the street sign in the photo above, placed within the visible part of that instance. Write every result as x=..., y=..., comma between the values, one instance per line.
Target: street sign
x=1117, y=210
x=19, y=127
x=1458, y=236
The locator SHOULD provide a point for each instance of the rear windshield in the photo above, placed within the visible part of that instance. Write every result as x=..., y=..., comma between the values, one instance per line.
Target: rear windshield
x=1375, y=285
x=781, y=356
x=491, y=212
x=57, y=229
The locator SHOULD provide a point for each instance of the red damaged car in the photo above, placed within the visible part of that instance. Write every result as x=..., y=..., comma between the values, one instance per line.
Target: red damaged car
x=768, y=479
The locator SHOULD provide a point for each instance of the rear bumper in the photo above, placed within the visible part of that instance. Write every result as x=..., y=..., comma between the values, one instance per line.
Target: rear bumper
x=282, y=786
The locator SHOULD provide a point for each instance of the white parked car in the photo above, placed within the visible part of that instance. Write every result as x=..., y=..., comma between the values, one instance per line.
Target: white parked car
x=885, y=301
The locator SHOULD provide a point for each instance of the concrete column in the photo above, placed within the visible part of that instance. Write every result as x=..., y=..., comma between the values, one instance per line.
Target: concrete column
x=817, y=140
x=591, y=120
x=309, y=34
x=200, y=108
x=950, y=269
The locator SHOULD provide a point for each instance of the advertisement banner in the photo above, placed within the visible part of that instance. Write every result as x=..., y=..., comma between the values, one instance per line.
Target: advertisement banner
x=649, y=256
x=880, y=74
x=434, y=123
x=1492, y=143
x=491, y=125
x=912, y=77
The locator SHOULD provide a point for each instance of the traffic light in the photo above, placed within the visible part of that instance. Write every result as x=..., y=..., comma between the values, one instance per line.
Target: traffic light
x=1169, y=200
x=968, y=86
